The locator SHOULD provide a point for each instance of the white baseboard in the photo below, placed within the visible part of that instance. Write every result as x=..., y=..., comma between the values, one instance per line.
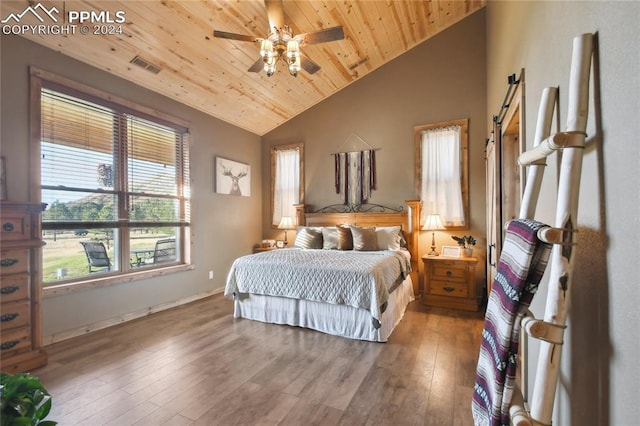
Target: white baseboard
x=59, y=337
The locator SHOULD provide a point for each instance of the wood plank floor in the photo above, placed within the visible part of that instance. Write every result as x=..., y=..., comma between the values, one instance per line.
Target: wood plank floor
x=197, y=365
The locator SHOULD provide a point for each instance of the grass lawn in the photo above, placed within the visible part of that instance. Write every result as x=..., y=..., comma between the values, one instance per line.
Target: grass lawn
x=65, y=252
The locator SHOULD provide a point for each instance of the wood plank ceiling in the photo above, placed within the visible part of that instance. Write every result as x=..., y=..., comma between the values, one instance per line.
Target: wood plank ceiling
x=210, y=74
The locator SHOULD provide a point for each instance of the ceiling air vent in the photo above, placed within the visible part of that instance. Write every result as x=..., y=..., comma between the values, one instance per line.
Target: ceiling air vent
x=137, y=60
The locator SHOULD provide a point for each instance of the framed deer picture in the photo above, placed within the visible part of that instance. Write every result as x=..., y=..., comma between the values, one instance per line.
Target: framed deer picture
x=232, y=178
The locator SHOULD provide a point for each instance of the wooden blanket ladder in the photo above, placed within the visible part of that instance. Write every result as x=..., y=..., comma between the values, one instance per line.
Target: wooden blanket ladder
x=570, y=143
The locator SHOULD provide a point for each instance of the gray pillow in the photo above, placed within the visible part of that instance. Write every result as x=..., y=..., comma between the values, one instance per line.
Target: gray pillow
x=330, y=238
x=364, y=239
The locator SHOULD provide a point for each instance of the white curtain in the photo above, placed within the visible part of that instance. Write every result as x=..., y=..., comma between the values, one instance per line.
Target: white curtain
x=441, y=187
x=286, y=190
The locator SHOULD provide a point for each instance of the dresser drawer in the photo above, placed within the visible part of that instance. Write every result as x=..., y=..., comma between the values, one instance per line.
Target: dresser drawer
x=14, y=314
x=20, y=320
x=15, y=226
x=14, y=287
x=449, y=272
x=449, y=288
x=14, y=340
x=14, y=261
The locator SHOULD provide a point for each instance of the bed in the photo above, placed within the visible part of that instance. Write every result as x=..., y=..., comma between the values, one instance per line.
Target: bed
x=310, y=285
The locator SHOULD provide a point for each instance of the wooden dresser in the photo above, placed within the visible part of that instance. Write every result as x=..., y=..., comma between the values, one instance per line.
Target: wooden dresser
x=20, y=253
x=450, y=282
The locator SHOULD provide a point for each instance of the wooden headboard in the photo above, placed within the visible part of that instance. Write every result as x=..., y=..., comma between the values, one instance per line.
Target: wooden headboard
x=409, y=221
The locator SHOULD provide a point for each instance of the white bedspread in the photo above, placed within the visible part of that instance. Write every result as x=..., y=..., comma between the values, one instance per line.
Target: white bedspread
x=361, y=279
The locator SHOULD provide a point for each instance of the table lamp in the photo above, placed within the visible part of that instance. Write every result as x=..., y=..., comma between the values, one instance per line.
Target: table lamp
x=286, y=223
x=433, y=223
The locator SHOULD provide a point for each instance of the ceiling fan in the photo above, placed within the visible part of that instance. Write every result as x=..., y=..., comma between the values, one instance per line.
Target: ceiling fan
x=282, y=44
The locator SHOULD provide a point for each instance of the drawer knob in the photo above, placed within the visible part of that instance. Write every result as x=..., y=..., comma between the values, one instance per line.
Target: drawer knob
x=448, y=273
x=8, y=345
x=448, y=289
x=9, y=317
x=9, y=290
x=8, y=262
x=8, y=227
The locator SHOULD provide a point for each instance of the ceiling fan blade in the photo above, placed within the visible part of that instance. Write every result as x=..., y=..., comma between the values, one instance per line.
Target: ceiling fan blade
x=257, y=66
x=308, y=65
x=322, y=36
x=234, y=36
x=275, y=14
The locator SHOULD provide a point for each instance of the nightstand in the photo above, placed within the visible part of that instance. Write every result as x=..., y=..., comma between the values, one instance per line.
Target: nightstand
x=261, y=249
x=450, y=282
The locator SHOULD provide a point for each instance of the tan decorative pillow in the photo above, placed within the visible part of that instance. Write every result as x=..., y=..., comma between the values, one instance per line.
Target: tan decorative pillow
x=345, y=239
x=364, y=239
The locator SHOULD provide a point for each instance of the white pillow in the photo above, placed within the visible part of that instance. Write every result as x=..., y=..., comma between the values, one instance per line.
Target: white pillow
x=389, y=237
x=308, y=238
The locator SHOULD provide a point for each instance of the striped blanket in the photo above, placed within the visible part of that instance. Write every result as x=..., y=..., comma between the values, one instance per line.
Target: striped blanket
x=522, y=264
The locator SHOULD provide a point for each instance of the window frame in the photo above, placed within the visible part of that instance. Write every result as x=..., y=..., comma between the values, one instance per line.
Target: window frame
x=464, y=162
x=40, y=79
x=274, y=150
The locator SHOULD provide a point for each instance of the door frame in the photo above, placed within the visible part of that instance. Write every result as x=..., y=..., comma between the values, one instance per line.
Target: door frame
x=505, y=177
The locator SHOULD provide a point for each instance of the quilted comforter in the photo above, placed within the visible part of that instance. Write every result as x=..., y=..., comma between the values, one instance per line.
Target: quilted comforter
x=361, y=279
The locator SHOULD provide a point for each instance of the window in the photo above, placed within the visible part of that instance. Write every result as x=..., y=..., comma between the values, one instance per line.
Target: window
x=116, y=184
x=441, y=171
x=287, y=180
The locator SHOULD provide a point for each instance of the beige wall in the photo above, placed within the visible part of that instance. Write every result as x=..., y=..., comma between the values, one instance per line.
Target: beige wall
x=600, y=382
x=225, y=226
x=441, y=79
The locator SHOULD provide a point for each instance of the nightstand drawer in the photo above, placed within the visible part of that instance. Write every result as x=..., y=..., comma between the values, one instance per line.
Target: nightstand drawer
x=449, y=272
x=14, y=315
x=14, y=261
x=449, y=288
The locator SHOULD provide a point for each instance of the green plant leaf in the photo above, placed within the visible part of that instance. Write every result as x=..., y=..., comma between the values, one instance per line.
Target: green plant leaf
x=20, y=421
x=23, y=400
x=43, y=410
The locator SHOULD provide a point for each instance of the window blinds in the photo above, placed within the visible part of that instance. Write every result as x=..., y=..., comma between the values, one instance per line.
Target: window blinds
x=93, y=154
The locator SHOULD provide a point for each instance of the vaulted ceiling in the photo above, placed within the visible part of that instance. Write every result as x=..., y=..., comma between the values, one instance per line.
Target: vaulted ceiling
x=210, y=74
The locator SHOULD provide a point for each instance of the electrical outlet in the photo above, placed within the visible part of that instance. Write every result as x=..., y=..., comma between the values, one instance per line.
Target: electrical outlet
x=210, y=275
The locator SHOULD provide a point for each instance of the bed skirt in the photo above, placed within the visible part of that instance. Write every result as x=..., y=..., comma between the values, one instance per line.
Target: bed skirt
x=339, y=320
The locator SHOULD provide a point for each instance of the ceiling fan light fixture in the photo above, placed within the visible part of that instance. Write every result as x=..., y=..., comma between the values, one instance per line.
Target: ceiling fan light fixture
x=281, y=44
x=270, y=66
x=266, y=50
x=295, y=66
x=293, y=49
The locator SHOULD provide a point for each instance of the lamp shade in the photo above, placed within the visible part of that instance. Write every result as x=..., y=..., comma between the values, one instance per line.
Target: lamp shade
x=286, y=223
x=433, y=223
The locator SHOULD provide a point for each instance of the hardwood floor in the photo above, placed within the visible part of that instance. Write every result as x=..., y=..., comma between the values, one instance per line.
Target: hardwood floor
x=197, y=365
